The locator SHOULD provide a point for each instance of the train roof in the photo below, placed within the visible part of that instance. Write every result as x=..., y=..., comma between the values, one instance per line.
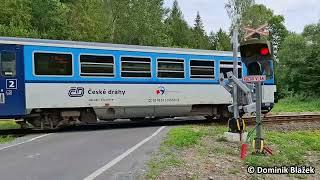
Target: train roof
x=109, y=46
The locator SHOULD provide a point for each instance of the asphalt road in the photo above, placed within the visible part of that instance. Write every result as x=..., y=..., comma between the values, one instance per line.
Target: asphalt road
x=102, y=155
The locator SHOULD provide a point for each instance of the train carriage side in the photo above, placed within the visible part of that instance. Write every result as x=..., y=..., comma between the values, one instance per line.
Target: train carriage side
x=70, y=85
x=120, y=84
x=12, y=87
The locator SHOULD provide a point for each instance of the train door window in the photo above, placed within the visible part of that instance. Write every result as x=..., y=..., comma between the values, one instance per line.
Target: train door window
x=227, y=66
x=8, y=63
x=53, y=64
x=96, y=66
x=135, y=67
x=202, y=69
x=170, y=68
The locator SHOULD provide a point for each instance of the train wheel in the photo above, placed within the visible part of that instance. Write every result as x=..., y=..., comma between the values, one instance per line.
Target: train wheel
x=44, y=119
x=41, y=123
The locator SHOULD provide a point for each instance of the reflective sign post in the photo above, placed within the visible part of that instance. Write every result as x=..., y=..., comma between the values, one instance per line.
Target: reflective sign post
x=258, y=139
x=257, y=80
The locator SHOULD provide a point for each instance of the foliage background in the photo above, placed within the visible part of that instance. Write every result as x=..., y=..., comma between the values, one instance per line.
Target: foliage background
x=148, y=22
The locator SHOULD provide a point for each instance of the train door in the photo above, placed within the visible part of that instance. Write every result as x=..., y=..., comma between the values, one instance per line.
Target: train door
x=12, y=87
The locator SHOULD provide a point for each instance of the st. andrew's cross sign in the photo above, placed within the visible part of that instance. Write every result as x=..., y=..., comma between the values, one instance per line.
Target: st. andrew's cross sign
x=262, y=31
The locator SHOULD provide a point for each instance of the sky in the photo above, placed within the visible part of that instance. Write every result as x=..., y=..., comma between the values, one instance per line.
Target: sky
x=297, y=13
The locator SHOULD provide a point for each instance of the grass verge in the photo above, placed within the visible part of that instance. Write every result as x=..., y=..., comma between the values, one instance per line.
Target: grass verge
x=7, y=124
x=177, y=140
x=292, y=148
x=210, y=152
x=297, y=104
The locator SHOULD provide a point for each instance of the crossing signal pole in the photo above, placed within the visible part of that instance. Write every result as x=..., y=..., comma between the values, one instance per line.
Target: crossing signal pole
x=235, y=73
x=256, y=53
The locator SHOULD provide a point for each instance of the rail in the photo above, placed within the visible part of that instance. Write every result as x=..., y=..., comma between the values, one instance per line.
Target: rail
x=285, y=118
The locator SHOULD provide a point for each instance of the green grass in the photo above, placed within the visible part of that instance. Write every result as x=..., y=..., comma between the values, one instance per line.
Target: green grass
x=182, y=137
x=292, y=148
x=166, y=158
x=297, y=104
x=177, y=140
x=7, y=124
x=6, y=139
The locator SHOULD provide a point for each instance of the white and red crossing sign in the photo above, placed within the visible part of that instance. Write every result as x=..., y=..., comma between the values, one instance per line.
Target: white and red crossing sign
x=262, y=30
x=254, y=78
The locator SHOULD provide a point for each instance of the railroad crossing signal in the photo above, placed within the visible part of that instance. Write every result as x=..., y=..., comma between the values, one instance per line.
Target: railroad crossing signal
x=261, y=31
x=256, y=54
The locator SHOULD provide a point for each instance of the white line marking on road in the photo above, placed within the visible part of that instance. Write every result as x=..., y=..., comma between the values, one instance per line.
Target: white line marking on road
x=122, y=156
x=30, y=140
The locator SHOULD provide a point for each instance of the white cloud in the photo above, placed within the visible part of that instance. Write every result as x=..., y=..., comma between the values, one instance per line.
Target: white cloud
x=297, y=13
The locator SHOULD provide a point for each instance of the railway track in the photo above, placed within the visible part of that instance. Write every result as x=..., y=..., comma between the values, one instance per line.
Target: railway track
x=105, y=126
x=285, y=118
x=128, y=124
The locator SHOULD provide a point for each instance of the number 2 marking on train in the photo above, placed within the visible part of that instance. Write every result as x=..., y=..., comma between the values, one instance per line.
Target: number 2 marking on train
x=12, y=84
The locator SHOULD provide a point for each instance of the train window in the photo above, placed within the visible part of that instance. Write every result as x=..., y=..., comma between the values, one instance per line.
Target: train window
x=135, y=67
x=53, y=64
x=8, y=63
x=227, y=66
x=99, y=66
x=170, y=68
x=201, y=69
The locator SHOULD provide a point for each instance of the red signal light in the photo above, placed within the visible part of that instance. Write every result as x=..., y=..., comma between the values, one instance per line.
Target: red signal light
x=264, y=51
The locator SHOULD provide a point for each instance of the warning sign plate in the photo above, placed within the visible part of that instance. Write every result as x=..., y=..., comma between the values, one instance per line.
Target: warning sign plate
x=254, y=78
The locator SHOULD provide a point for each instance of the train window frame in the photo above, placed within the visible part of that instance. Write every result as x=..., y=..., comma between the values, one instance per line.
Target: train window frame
x=142, y=57
x=92, y=54
x=52, y=52
x=171, y=58
x=207, y=79
x=2, y=73
x=240, y=65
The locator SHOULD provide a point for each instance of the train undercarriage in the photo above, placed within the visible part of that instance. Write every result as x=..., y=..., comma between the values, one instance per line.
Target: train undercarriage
x=44, y=119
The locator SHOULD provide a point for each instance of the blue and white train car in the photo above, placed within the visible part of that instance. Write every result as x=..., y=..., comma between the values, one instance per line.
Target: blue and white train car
x=50, y=83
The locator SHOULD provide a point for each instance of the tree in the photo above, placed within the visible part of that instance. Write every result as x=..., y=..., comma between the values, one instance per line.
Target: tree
x=50, y=19
x=292, y=58
x=236, y=9
x=257, y=15
x=312, y=33
x=311, y=71
x=89, y=20
x=298, y=68
x=16, y=19
x=220, y=41
x=138, y=22
x=200, y=39
x=177, y=28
